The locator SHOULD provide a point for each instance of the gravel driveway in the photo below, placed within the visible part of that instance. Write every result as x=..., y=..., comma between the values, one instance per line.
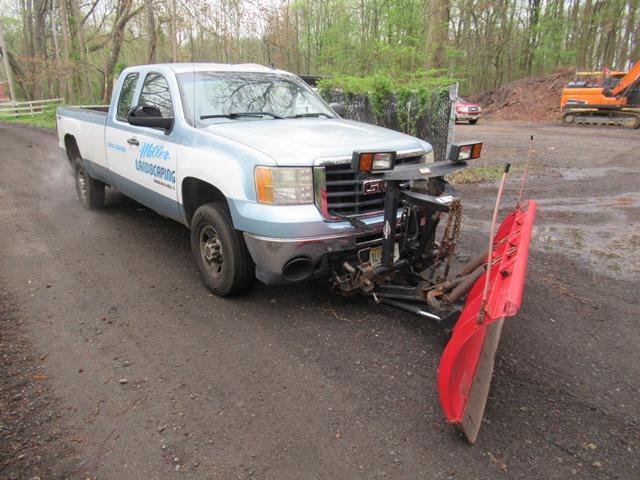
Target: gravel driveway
x=116, y=363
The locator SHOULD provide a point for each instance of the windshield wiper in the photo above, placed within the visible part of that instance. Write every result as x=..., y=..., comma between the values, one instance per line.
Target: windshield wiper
x=240, y=114
x=314, y=114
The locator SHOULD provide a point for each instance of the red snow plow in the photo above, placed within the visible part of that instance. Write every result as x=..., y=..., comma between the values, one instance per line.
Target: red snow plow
x=466, y=366
x=412, y=270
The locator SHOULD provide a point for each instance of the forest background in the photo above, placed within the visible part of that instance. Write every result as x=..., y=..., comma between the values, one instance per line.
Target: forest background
x=75, y=48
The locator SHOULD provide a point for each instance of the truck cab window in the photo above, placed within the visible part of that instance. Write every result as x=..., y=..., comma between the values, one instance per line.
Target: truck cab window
x=125, y=102
x=155, y=92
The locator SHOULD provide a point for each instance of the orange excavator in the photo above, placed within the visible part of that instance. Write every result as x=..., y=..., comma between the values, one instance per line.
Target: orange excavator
x=603, y=98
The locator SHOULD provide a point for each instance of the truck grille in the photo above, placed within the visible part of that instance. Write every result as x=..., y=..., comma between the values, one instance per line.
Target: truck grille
x=344, y=190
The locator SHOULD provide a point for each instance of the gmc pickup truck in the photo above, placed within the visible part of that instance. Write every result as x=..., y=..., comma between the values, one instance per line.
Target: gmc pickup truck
x=275, y=185
x=249, y=158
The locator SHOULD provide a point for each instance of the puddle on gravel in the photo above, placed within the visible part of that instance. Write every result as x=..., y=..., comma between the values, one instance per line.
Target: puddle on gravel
x=612, y=251
x=592, y=172
x=609, y=242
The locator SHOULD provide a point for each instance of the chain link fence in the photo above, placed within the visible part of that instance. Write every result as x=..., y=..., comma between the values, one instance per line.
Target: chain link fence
x=429, y=118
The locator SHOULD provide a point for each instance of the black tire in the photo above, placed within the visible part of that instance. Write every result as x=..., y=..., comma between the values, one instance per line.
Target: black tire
x=219, y=250
x=90, y=191
x=473, y=122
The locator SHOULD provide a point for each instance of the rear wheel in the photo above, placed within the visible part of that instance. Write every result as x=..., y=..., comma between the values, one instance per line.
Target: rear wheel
x=219, y=250
x=90, y=191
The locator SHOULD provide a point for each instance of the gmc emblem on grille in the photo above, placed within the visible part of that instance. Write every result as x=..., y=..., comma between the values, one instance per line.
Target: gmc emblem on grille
x=370, y=187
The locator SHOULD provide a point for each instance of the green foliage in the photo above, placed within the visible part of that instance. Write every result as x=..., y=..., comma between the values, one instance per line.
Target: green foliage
x=381, y=89
x=46, y=119
x=388, y=43
x=120, y=66
x=479, y=174
x=383, y=83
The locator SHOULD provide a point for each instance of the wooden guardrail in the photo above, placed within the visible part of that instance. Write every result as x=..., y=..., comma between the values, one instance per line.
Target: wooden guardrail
x=31, y=107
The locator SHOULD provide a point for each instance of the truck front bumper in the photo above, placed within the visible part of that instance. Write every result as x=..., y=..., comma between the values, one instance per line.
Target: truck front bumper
x=289, y=260
x=467, y=116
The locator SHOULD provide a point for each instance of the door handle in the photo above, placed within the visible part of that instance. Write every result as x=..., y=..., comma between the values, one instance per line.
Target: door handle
x=133, y=141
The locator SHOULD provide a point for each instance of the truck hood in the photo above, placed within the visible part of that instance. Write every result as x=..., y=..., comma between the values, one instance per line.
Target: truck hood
x=298, y=142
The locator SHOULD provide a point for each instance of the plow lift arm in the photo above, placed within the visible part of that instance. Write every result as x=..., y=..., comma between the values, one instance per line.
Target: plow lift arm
x=412, y=273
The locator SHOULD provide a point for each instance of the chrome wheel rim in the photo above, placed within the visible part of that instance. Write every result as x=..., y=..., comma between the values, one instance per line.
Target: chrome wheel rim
x=211, y=250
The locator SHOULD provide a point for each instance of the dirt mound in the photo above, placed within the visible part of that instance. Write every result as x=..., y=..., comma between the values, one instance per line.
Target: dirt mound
x=532, y=98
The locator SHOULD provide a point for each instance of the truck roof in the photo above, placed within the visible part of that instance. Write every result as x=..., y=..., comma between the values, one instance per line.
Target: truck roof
x=211, y=67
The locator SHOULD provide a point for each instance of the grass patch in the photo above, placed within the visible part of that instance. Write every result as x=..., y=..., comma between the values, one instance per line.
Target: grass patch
x=607, y=255
x=477, y=174
x=46, y=119
x=578, y=237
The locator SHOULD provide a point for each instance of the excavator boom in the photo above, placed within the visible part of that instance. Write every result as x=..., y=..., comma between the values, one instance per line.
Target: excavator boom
x=628, y=80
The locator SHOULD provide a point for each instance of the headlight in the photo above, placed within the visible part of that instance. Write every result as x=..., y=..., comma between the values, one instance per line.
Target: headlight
x=367, y=162
x=383, y=161
x=284, y=186
x=461, y=152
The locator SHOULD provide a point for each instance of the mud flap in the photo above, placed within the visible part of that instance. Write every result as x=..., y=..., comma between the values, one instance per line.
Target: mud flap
x=466, y=367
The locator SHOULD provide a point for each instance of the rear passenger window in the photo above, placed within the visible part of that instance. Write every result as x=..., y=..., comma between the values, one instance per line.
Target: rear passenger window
x=125, y=102
x=155, y=92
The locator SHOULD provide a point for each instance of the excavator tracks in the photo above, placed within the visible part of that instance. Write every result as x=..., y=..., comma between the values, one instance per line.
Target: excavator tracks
x=624, y=119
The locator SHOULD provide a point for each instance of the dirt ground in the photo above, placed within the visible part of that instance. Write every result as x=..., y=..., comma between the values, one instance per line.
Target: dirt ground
x=116, y=363
x=531, y=99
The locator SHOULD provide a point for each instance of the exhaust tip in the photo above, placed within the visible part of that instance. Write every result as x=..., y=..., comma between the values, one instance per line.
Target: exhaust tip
x=297, y=269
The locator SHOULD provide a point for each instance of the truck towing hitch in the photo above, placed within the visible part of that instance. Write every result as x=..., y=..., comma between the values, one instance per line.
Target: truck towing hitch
x=410, y=271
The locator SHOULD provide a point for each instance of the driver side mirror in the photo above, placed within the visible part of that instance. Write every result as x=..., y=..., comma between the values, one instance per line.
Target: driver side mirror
x=339, y=108
x=149, y=116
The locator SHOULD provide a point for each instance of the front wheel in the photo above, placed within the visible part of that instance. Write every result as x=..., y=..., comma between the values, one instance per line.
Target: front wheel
x=90, y=191
x=219, y=250
x=473, y=122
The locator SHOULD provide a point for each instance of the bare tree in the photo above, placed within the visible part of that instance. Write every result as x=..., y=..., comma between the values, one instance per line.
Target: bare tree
x=124, y=13
x=151, y=31
x=5, y=60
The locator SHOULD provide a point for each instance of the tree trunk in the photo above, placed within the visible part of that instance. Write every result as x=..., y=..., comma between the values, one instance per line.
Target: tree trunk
x=5, y=60
x=60, y=86
x=123, y=15
x=151, y=31
x=631, y=26
x=438, y=38
x=40, y=48
x=174, y=32
x=27, y=25
x=67, y=66
x=79, y=51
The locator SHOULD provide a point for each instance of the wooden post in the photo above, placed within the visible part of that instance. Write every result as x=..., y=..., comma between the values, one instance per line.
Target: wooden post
x=5, y=59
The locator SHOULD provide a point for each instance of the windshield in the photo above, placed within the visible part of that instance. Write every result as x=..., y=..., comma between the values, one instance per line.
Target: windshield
x=216, y=97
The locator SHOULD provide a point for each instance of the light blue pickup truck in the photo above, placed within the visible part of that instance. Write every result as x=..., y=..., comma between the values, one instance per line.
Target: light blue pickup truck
x=250, y=158
x=275, y=185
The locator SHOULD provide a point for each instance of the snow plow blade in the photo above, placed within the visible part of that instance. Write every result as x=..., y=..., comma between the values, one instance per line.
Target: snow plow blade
x=466, y=367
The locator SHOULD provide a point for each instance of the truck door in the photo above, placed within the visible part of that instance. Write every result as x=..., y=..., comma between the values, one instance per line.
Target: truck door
x=117, y=150
x=146, y=171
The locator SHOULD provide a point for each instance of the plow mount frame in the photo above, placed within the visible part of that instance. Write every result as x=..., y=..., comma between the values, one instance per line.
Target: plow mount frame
x=410, y=278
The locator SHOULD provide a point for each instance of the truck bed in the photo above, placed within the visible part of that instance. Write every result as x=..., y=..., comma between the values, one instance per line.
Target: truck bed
x=85, y=112
x=86, y=124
